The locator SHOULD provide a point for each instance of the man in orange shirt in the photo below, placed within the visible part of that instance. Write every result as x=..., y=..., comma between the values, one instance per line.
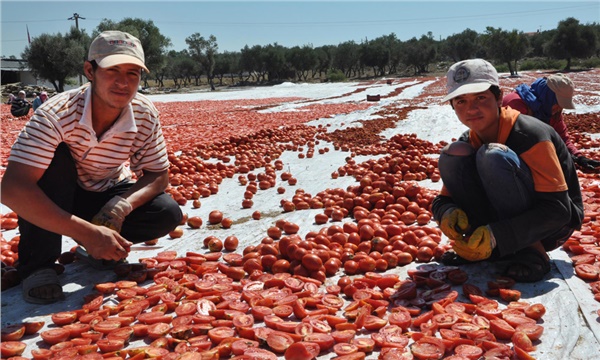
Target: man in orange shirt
x=510, y=189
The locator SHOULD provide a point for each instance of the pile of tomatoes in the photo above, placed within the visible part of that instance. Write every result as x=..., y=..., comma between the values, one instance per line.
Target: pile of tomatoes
x=198, y=306
x=584, y=245
x=269, y=300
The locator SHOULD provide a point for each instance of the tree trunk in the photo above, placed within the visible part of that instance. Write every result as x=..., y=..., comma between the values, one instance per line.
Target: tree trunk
x=510, y=68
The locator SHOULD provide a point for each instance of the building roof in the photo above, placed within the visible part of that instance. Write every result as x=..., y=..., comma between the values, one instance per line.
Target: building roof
x=13, y=65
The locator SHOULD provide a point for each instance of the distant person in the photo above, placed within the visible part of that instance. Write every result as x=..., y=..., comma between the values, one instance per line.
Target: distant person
x=40, y=100
x=19, y=105
x=510, y=190
x=70, y=172
x=545, y=99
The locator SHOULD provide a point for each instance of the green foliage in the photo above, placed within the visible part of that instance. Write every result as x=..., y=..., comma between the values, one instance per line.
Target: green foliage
x=462, y=46
x=542, y=64
x=506, y=47
x=335, y=75
x=376, y=54
x=510, y=50
x=501, y=67
x=347, y=57
x=302, y=60
x=57, y=57
x=418, y=54
x=572, y=40
x=203, y=51
x=593, y=62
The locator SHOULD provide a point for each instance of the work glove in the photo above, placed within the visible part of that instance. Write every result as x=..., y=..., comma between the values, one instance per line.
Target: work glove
x=476, y=247
x=113, y=213
x=454, y=223
x=587, y=164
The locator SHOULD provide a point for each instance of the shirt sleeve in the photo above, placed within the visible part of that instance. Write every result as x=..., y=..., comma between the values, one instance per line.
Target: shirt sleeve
x=558, y=123
x=37, y=142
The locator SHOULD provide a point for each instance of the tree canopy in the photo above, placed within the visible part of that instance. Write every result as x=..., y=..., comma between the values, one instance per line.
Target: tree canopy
x=58, y=57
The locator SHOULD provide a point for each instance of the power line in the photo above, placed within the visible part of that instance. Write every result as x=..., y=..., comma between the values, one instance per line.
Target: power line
x=350, y=22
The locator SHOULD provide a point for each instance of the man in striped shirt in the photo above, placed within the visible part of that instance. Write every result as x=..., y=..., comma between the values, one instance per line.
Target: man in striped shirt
x=70, y=171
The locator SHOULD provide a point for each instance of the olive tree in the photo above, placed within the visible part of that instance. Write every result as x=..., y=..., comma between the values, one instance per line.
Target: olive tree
x=572, y=40
x=58, y=57
x=505, y=46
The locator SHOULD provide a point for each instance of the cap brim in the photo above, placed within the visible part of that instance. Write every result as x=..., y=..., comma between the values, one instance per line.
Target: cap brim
x=467, y=89
x=565, y=103
x=112, y=60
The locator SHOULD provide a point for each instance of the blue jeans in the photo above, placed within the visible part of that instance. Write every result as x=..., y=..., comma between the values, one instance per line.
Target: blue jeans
x=490, y=184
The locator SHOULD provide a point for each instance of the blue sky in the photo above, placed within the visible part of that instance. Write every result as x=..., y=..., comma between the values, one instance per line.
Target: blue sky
x=289, y=23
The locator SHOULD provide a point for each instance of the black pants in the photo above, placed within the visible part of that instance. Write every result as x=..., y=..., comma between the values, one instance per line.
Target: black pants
x=39, y=248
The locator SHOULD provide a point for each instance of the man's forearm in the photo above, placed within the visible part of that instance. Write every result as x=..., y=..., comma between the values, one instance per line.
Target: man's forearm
x=146, y=188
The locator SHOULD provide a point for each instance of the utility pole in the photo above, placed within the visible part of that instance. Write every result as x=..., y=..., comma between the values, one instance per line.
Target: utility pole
x=76, y=17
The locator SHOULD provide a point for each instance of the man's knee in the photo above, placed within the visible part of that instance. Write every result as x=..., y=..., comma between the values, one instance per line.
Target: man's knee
x=458, y=148
x=493, y=157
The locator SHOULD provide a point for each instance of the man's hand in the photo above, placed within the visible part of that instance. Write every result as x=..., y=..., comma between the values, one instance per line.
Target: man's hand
x=113, y=213
x=107, y=244
x=476, y=247
x=586, y=163
x=454, y=223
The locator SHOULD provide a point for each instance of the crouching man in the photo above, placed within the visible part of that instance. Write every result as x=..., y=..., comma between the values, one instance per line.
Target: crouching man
x=67, y=172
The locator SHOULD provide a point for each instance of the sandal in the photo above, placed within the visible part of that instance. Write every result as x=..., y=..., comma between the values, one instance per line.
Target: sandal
x=98, y=264
x=43, y=277
x=527, y=265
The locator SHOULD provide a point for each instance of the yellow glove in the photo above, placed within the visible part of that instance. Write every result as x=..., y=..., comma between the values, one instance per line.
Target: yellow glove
x=113, y=213
x=454, y=223
x=476, y=247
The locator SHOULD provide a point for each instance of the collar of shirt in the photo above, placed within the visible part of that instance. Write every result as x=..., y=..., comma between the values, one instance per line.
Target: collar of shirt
x=125, y=122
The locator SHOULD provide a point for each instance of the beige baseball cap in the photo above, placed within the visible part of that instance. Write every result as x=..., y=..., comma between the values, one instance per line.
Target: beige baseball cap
x=563, y=87
x=113, y=47
x=470, y=76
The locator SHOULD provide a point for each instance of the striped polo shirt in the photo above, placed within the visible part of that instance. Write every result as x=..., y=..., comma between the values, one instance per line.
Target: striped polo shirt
x=136, y=137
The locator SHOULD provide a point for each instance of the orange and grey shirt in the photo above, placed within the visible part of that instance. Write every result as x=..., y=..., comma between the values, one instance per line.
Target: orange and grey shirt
x=558, y=199
x=133, y=144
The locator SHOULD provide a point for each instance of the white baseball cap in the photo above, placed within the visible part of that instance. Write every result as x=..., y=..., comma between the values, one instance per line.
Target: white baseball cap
x=470, y=76
x=113, y=47
x=563, y=87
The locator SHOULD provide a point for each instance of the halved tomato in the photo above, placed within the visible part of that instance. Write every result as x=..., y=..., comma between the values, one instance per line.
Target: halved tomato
x=279, y=341
x=32, y=327
x=425, y=348
x=12, y=348
x=587, y=272
x=344, y=348
x=64, y=317
x=509, y=294
x=302, y=350
x=13, y=332
x=54, y=336
x=521, y=340
x=109, y=345
x=535, y=311
x=325, y=341
x=501, y=329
